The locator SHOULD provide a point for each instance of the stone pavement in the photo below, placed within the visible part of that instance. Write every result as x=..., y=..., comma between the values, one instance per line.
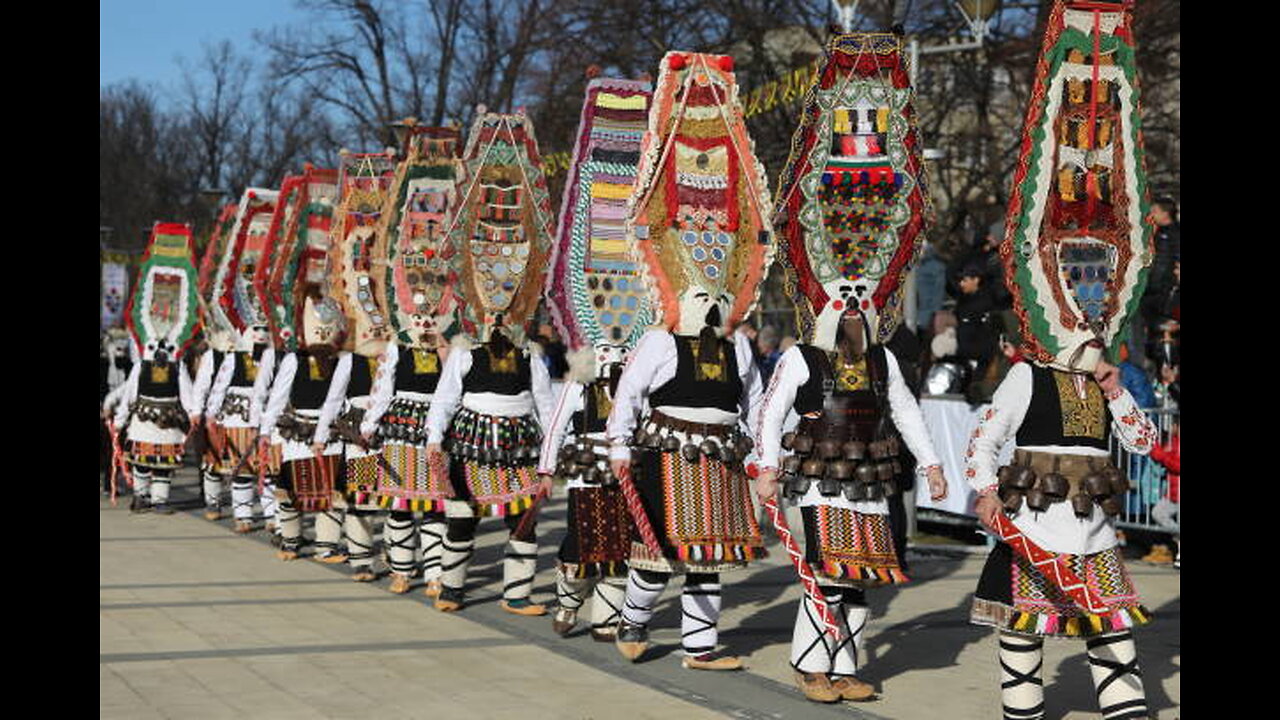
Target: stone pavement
x=197, y=622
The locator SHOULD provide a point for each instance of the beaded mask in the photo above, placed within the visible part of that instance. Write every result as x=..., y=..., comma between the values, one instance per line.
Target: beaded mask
x=163, y=314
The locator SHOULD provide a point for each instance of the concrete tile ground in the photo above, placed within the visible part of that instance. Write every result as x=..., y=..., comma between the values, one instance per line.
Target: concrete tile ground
x=196, y=622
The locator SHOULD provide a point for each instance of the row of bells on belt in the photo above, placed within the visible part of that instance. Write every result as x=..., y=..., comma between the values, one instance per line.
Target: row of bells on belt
x=398, y=431
x=581, y=460
x=493, y=455
x=1105, y=487
x=852, y=450
x=729, y=451
x=863, y=471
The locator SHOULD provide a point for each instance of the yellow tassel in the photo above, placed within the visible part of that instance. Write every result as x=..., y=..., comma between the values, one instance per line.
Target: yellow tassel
x=882, y=119
x=1073, y=626
x=1095, y=623
x=1023, y=621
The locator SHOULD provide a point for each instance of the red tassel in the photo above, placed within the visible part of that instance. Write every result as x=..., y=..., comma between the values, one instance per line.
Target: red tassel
x=726, y=63
x=676, y=62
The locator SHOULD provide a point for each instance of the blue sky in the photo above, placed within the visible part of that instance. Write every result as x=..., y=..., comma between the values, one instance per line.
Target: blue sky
x=142, y=39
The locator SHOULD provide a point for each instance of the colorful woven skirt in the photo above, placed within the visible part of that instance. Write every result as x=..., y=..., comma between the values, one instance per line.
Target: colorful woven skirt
x=418, y=489
x=215, y=441
x=310, y=482
x=162, y=456
x=361, y=478
x=701, y=512
x=237, y=442
x=494, y=461
x=849, y=547
x=1013, y=595
x=598, y=540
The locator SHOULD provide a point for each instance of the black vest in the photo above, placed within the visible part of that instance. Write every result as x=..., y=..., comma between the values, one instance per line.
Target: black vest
x=1057, y=415
x=597, y=405
x=488, y=375
x=240, y=376
x=158, y=379
x=863, y=409
x=420, y=375
x=362, y=372
x=307, y=392
x=695, y=387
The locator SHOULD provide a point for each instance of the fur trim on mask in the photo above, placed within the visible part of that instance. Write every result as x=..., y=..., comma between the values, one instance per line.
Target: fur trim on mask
x=582, y=366
x=533, y=348
x=944, y=344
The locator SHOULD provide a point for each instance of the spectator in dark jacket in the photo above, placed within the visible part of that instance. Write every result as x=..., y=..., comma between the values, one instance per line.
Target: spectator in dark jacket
x=1161, y=278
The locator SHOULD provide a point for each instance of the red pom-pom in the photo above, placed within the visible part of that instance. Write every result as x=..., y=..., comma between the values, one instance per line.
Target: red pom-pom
x=866, y=304
x=753, y=471
x=726, y=63
x=838, y=304
x=676, y=62
x=253, y=196
x=593, y=71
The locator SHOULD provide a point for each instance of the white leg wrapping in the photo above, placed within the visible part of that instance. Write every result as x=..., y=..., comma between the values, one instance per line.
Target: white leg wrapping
x=397, y=533
x=811, y=647
x=141, y=481
x=270, y=506
x=212, y=485
x=290, y=525
x=431, y=540
x=700, y=611
x=328, y=530
x=518, y=568
x=1021, y=685
x=853, y=620
x=641, y=598
x=570, y=591
x=160, y=487
x=242, y=498
x=359, y=539
x=606, y=602
x=1113, y=661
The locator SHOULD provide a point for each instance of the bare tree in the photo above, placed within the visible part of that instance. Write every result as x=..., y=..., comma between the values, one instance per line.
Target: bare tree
x=213, y=92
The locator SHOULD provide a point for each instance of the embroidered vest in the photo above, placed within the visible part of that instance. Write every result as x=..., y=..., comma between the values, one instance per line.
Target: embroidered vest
x=701, y=385
x=852, y=399
x=597, y=404
x=246, y=367
x=311, y=381
x=417, y=370
x=503, y=376
x=158, y=379
x=1058, y=415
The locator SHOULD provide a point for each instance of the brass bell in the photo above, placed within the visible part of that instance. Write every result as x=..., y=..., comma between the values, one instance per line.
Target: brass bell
x=797, y=486
x=897, y=467
x=639, y=436
x=710, y=448
x=690, y=452
x=1112, y=505
x=745, y=444
x=854, y=491
x=1096, y=485
x=802, y=445
x=670, y=443
x=828, y=450
x=854, y=450
x=1023, y=478
x=1053, y=485
x=841, y=470
x=875, y=492
x=787, y=440
x=895, y=447
x=1038, y=500
x=594, y=476
x=1012, y=501
x=728, y=455
x=584, y=457
x=813, y=468
x=1005, y=475
x=828, y=487
x=884, y=471
x=890, y=487
x=1119, y=481
x=1082, y=504
x=566, y=454
x=791, y=464
x=866, y=473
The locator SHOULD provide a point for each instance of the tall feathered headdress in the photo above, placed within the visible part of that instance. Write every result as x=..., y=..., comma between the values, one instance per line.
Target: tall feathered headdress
x=501, y=225
x=1078, y=240
x=418, y=289
x=700, y=215
x=595, y=290
x=163, y=313
x=364, y=181
x=852, y=204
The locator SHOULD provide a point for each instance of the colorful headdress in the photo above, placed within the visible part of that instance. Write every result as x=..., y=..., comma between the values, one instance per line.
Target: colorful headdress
x=700, y=215
x=221, y=336
x=1077, y=239
x=595, y=290
x=308, y=203
x=232, y=300
x=852, y=203
x=418, y=291
x=501, y=225
x=364, y=182
x=163, y=312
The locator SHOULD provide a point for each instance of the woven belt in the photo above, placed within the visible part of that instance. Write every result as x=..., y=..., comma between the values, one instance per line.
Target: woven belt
x=1073, y=467
x=693, y=428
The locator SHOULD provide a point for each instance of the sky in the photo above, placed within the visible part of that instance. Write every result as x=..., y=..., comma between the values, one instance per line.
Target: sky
x=142, y=39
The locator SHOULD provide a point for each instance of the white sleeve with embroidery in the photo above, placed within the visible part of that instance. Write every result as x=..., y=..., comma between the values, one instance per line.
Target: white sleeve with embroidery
x=907, y=416
x=448, y=395
x=221, y=382
x=185, y=394
x=262, y=383
x=204, y=379
x=113, y=398
x=1131, y=426
x=999, y=422
x=788, y=375
x=128, y=392
x=540, y=380
x=279, y=397
x=656, y=347
x=333, y=399
x=384, y=387
x=569, y=402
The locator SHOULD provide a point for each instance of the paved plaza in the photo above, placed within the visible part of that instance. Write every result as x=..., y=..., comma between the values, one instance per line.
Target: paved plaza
x=198, y=622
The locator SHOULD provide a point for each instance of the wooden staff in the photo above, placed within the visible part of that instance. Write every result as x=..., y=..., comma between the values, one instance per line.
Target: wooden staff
x=805, y=572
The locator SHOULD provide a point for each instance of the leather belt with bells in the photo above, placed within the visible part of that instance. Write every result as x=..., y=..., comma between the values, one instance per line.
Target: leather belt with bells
x=858, y=470
x=720, y=442
x=1043, y=479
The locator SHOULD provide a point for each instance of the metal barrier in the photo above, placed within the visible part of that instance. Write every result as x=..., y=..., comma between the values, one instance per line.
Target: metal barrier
x=1148, y=480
